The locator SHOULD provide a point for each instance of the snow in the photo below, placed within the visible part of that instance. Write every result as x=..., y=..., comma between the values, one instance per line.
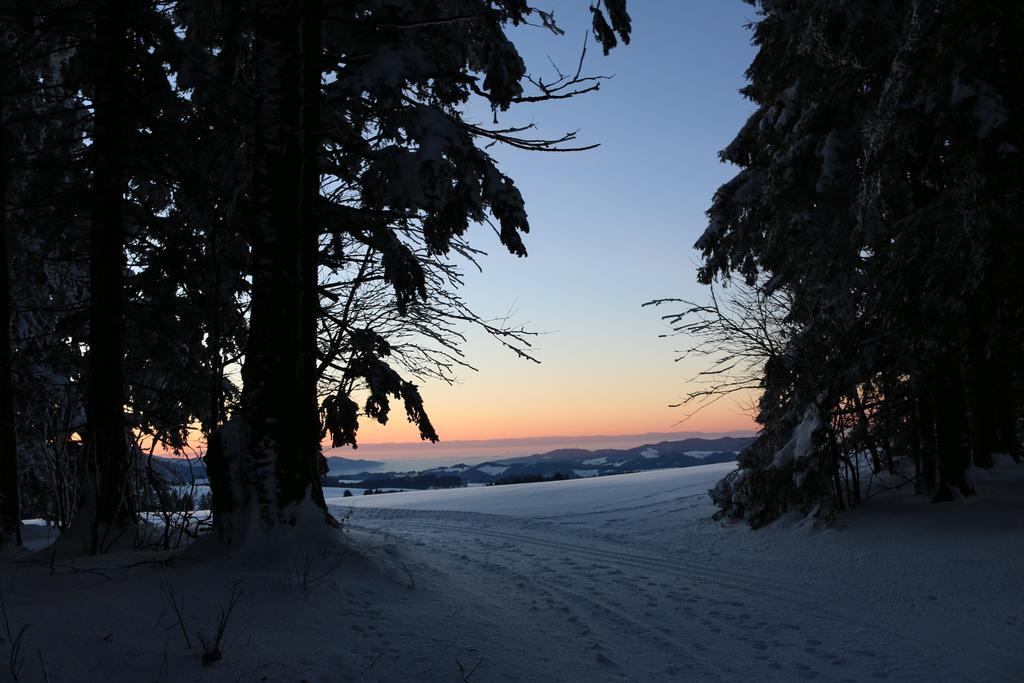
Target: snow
x=801, y=442
x=454, y=469
x=831, y=157
x=550, y=499
x=649, y=453
x=611, y=578
x=335, y=494
x=595, y=461
x=585, y=473
x=493, y=470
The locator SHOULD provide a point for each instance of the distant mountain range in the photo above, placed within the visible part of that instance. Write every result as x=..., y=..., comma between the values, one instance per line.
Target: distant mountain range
x=580, y=462
x=571, y=462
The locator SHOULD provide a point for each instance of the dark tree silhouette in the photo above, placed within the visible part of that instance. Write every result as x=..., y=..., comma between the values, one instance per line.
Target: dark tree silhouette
x=879, y=194
x=256, y=188
x=106, y=439
x=10, y=508
x=379, y=134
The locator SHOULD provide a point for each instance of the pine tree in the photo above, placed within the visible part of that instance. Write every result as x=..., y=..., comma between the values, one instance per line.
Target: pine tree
x=395, y=153
x=230, y=165
x=44, y=235
x=10, y=479
x=106, y=444
x=40, y=295
x=879, y=187
x=94, y=129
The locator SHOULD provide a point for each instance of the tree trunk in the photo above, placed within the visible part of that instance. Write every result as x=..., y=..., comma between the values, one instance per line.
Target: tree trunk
x=10, y=512
x=954, y=454
x=924, y=443
x=1005, y=405
x=312, y=24
x=113, y=510
x=980, y=397
x=273, y=437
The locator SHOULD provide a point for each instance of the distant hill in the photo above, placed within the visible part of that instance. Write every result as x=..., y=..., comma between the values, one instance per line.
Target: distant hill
x=579, y=462
x=338, y=465
x=569, y=462
x=729, y=444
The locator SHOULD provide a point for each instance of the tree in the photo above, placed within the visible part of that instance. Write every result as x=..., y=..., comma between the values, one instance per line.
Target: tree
x=871, y=194
x=42, y=293
x=255, y=188
x=106, y=444
x=10, y=478
x=92, y=140
x=737, y=331
x=43, y=234
x=396, y=137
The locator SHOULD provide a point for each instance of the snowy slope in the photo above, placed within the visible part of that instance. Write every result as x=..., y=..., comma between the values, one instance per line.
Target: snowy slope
x=576, y=497
x=614, y=578
x=631, y=570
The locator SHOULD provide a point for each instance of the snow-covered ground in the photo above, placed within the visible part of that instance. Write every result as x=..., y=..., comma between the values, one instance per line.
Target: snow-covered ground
x=611, y=578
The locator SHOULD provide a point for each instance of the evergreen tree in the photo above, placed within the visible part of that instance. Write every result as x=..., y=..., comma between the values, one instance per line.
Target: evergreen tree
x=879, y=173
x=45, y=234
x=88, y=182
x=392, y=132
x=257, y=185
x=106, y=446
x=10, y=505
x=37, y=211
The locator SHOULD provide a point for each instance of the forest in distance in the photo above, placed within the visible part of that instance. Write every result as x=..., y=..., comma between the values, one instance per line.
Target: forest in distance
x=250, y=225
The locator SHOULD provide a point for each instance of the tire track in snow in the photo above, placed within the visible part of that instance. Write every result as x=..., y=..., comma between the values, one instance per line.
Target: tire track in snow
x=735, y=632
x=678, y=567
x=616, y=616
x=746, y=585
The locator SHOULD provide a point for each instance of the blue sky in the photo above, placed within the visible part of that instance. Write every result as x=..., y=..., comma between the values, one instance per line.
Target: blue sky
x=611, y=229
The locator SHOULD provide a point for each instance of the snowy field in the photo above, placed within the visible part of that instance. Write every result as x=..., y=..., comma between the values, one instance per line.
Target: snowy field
x=605, y=579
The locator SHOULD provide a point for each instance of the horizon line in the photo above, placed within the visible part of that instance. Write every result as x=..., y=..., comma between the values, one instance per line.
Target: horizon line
x=549, y=437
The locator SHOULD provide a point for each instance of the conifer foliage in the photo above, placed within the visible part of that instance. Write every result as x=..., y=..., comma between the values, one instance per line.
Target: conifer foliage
x=242, y=215
x=880, y=198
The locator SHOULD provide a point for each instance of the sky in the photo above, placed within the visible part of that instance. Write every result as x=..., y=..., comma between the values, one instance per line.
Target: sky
x=611, y=228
